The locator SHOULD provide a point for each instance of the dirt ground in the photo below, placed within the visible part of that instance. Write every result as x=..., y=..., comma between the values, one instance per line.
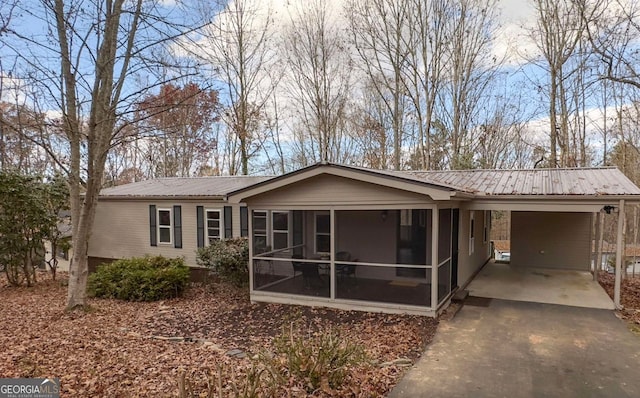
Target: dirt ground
x=122, y=349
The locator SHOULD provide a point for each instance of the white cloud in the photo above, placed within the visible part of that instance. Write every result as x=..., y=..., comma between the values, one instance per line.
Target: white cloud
x=12, y=90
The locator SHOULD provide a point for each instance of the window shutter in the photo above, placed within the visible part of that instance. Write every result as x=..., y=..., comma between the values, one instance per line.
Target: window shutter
x=228, y=230
x=244, y=221
x=177, y=227
x=200, y=225
x=153, y=231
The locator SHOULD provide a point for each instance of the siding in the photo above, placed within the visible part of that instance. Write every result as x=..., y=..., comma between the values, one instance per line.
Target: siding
x=334, y=190
x=121, y=229
x=468, y=264
x=551, y=240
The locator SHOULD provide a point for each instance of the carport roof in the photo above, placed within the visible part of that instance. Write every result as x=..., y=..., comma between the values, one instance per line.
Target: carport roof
x=550, y=182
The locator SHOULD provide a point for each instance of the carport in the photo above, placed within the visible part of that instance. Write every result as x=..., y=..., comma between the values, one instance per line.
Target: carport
x=553, y=214
x=574, y=288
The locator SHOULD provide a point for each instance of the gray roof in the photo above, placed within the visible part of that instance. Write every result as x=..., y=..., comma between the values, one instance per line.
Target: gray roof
x=183, y=186
x=575, y=181
x=538, y=182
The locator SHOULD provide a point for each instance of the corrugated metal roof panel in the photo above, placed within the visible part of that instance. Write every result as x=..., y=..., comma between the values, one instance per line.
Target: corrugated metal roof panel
x=183, y=186
x=577, y=181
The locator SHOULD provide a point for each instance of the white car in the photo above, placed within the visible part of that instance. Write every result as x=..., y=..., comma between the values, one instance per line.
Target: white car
x=632, y=269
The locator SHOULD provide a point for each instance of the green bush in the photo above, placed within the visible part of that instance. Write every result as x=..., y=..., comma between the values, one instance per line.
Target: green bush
x=228, y=258
x=140, y=279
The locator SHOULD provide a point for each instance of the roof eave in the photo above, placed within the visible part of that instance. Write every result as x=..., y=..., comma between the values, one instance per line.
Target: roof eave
x=146, y=198
x=600, y=197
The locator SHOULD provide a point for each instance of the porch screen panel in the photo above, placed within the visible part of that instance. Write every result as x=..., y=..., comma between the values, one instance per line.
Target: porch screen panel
x=444, y=235
x=298, y=233
x=444, y=253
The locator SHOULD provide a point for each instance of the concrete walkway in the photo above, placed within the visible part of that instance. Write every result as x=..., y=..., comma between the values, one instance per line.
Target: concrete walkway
x=519, y=349
x=539, y=285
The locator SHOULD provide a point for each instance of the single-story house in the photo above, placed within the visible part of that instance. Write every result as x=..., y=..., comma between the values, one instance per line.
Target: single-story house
x=172, y=217
x=350, y=237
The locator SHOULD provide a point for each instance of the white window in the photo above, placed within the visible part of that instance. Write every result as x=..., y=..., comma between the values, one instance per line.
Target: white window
x=472, y=228
x=270, y=230
x=165, y=230
x=214, y=225
x=280, y=230
x=323, y=232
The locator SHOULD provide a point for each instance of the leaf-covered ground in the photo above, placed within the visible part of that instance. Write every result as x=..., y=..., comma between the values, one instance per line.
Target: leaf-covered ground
x=629, y=296
x=111, y=351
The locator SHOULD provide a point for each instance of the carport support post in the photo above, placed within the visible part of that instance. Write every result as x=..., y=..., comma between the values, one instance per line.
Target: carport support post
x=597, y=262
x=619, y=254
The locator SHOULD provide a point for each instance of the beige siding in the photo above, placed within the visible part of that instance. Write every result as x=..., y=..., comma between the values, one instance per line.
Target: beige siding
x=334, y=190
x=469, y=263
x=550, y=240
x=121, y=229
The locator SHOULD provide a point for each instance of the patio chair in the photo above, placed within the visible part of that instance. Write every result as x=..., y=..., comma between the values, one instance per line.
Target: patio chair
x=298, y=266
x=345, y=270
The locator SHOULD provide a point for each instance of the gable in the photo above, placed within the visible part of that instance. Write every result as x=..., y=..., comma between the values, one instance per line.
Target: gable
x=327, y=189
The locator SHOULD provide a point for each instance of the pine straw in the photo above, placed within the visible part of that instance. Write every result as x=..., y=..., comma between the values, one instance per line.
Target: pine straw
x=109, y=350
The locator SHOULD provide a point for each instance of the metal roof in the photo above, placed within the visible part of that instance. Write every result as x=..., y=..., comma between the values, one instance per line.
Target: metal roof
x=183, y=186
x=574, y=181
x=532, y=182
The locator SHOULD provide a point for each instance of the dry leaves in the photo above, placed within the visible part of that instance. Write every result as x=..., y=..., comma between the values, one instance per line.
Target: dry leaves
x=629, y=295
x=110, y=352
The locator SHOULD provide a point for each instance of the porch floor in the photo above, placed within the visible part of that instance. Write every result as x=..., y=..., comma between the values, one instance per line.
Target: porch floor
x=539, y=285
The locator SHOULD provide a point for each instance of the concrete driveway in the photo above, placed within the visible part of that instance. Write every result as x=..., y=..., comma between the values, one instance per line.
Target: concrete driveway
x=520, y=349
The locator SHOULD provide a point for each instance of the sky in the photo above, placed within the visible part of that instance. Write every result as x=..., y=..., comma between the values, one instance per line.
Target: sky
x=512, y=42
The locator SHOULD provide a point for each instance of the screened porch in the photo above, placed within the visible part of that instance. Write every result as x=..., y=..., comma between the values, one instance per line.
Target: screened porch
x=379, y=257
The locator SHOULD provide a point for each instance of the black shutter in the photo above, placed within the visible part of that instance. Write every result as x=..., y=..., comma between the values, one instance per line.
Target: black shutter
x=153, y=231
x=228, y=227
x=244, y=221
x=200, y=225
x=177, y=227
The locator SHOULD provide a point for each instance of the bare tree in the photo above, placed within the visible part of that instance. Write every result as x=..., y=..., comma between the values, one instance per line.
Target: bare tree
x=237, y=45
x=557, y=35
x=380, y=33
x=613, y=30
x=318, y=83
x=471, y=68
x=103, y=51
x=425, y=67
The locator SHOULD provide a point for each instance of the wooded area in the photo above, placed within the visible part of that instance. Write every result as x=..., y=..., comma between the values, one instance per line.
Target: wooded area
x=110, y=92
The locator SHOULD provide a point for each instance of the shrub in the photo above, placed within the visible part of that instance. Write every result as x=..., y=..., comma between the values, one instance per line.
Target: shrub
x=140, y=279
x=228, y=258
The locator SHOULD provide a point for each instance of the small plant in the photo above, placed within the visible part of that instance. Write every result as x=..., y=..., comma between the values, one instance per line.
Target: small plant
x=228, y=258
x=255, y=383
x=140, y=279
x=319, y=360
